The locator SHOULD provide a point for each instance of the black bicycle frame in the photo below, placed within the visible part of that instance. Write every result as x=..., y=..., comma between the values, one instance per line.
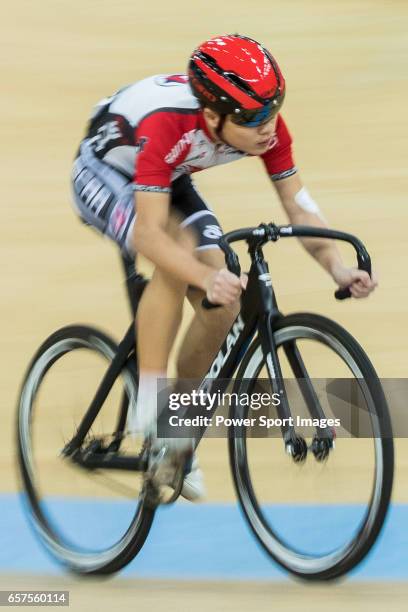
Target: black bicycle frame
x=259, y=313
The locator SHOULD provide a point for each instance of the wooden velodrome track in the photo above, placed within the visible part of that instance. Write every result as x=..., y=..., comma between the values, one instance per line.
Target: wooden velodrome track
x=346, y=67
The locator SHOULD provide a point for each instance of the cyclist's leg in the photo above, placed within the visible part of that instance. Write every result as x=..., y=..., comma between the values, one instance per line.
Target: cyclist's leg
x=208, y=328
x=158, y=319
x=104, y=199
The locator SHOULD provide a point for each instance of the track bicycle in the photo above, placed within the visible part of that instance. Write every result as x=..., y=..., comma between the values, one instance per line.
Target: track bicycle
x=259, y=342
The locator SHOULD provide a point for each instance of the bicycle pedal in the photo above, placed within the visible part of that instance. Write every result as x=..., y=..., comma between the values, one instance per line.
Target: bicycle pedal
x=165, y=475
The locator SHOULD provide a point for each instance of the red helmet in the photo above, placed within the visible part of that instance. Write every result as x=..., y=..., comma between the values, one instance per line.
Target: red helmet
x=235, y=75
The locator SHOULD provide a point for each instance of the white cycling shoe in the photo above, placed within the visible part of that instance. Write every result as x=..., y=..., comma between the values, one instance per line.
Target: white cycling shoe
x=173, y=466
x=193, y=486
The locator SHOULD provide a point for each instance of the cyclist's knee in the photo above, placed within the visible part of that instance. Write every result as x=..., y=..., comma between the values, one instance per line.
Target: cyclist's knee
x=207, y=332
x=219, y=320
x=162, y=281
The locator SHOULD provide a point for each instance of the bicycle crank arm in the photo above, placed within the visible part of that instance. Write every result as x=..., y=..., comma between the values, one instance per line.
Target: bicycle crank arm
x=92, y=459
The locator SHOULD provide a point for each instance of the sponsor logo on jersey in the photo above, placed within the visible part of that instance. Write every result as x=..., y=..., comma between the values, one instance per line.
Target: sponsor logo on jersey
x=195, y=157
x=171, y=80
x=119, y=219
x=274, y=142
x=107, y=132
x=140, y=144
x=227, y=150
x=182, y=144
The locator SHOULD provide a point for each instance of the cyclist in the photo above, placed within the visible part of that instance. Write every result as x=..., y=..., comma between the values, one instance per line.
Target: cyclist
x=132, y=182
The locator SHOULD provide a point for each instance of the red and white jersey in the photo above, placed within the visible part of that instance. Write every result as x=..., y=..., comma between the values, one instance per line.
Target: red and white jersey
x=153, y=131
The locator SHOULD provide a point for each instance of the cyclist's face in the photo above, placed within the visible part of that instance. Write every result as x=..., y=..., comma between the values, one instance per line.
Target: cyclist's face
x=251, y=140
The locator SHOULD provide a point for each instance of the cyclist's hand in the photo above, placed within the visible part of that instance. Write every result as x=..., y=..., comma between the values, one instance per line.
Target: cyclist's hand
x=358, y=281
x=223, y=287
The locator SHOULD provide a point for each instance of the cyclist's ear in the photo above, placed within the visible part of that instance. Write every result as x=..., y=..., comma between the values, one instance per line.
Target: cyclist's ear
x=212, y=117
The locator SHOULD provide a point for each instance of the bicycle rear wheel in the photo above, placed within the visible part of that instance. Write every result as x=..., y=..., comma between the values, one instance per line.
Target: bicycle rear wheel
x=318, y=520
x=91, y=520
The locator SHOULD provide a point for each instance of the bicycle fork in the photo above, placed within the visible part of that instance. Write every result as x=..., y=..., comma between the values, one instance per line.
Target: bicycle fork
x=295, y=445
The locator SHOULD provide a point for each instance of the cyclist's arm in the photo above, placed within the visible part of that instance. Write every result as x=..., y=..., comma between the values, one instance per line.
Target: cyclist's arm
x=298, y=206
x=152, y=241
x=295, y=201
x=302, y=210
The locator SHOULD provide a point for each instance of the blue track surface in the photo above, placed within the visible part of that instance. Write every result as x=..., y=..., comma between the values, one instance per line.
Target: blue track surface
x=208, y=541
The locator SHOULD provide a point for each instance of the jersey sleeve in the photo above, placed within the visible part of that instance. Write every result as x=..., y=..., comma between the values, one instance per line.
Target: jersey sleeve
x=278, y=160
x=156, y=135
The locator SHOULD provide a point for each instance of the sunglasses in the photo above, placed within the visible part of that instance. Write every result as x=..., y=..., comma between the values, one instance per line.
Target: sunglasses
x=257, y=116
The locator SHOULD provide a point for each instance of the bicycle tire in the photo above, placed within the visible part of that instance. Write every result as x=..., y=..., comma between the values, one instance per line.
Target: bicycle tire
x=309, y=568
x=112, y=560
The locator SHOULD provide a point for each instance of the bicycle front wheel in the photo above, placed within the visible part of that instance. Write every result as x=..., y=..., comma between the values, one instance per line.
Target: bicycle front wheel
x=91, y=520
x=317, y=519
